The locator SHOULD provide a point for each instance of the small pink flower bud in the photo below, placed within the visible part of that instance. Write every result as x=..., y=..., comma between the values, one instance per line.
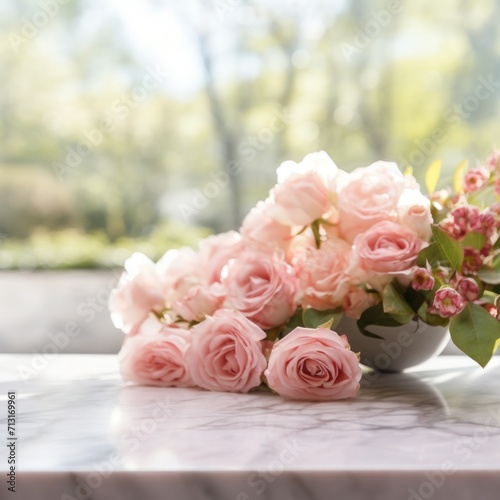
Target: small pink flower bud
x=486, y=250
x=497, y=186
x=474, y=180
x=421, y=279
x=483, y=223
x=460, y=212
x=472, y=261
x=442, y=273
x=493, y=161
x=454, y=230
x=490, y=308
x=447, y=302
x=468, y=289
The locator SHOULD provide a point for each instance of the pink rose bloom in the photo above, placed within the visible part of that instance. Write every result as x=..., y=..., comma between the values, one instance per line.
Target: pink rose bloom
x=179, y=269
x=263, y=287
x=263, y=231
x=302, y=193
x=370, y=195
x=139, y=292
x=357, y=301
x=157, y=356
x=299, y=248
x=388, y=247
x=215, y=253
x=319, y=163
x=199, y=301
x=311, y=364
x=414, y=212
x=190, y=281
x=227, y=353
x=323, y=277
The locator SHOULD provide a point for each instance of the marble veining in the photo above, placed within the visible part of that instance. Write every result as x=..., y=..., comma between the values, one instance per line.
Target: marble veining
x=83, y=433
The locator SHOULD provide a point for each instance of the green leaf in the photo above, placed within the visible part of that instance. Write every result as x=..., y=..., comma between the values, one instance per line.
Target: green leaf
x=490, y=275
x=316, y=319
x=395, y=304
x=408, y=171
x=429, y=254
x=375, y=316
x=490, y=297
x=458, y=176
x=432, y=176
x=476, y=332
x=483, y=197
x=449, y=248
x=431, y=319
x=474, y=240
x=416, y=299
x=294, y=322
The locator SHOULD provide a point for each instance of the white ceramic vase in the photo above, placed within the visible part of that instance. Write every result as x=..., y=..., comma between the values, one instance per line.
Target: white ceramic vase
x=402, y=346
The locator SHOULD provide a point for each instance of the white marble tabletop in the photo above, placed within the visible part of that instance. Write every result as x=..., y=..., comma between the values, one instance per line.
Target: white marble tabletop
x=433, y=432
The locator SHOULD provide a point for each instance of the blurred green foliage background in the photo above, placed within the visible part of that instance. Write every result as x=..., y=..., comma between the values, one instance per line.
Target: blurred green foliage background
x=147, y=125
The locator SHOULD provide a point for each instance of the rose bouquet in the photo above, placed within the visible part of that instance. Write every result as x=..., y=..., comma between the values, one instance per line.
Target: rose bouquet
x=262, y=305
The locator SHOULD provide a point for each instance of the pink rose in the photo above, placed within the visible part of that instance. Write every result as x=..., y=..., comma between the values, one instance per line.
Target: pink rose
x=259, y=229
x=190, y=280
x=215, y=253
x=323, y=277
x=387, y=247
x=414, y=212
x=179, y=269
x=139, y=292
x=319, y=163
x=157, y=356
x=357, y=301
x=263, y=287
x=313, y=364
x=199, y=301
x=370, y=195
x=226, y=353
x=301, y=195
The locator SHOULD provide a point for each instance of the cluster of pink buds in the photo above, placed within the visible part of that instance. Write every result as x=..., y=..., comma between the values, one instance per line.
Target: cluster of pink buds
x=464, y=219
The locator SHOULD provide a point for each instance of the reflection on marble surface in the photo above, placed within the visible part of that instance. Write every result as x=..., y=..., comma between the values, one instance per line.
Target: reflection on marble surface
x=85, y=434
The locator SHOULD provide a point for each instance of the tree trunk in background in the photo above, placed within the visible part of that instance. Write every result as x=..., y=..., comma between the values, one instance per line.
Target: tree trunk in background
x=226, y=137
